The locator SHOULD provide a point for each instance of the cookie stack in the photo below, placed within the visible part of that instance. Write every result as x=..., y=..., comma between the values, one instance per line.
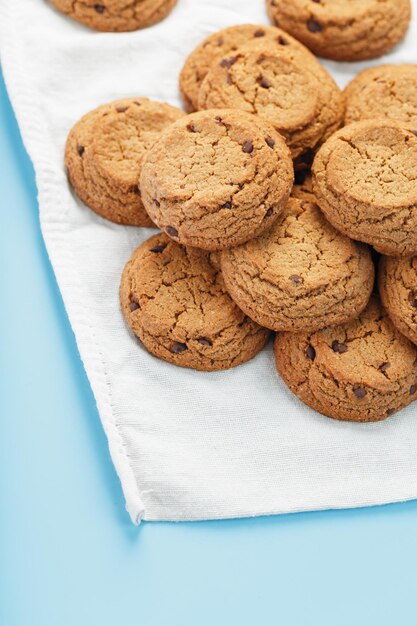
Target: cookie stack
x=252, y=240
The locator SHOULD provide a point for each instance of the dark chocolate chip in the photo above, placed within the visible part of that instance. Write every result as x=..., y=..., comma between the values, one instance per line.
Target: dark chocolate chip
x=313, y=26
x=228, y=62
x=100, y=8
x=338, y=347
x=359, y=392
x=160, y=248
x=390, y=411
x=121, y=109
x=268, y=213
x=133, y=306
x=384, y=366
x=310, y=352
x=80, y=150
x=171, y=231
x=270, y=142
x=282, y=41
x=264, y=82
x=247, y=147
x=177, y=347
x=204, y=341
x=297, y=280
x=191, y=128
x=259, y=33
x=412, y=298
x=227, y=205
x=413, y=389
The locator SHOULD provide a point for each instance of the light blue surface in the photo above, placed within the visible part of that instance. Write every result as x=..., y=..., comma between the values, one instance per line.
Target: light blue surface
x=69, y=555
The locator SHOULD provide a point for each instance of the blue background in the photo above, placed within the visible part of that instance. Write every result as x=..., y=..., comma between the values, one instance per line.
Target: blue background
x=69, y=555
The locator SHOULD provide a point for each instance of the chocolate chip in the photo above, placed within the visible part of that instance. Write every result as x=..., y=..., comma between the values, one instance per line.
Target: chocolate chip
x=359, y=392
x=80, y=150
x=137, y=102
x=390, y=411
x=297, y=280
x=160, y=248
x=268, y=213
x=191, y=128
x=171, y=231
x=313, y=26
x=413, y=389
x=338, y=347
x=228, y=62
x=264, y=82
x=100, y=8
x=384, y=366
x=177, y=347
x=133, y=306
x=136, y=190
x=259, y=33
x=412, y=298
x=121, y=109
x=270, y=142
x=227, y=205
x=204, y=341
x=247, y=147
x=310, y=352
x=282, y=41
x=316, y=1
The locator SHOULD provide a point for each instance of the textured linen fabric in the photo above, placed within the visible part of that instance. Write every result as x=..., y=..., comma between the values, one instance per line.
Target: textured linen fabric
x=187, y=445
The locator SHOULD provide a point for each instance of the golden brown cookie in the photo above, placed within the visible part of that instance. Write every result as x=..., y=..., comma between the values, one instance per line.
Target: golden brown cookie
x=104, y=152
x=222, y=44
x=363, y=371
x=301, y=274
x=397, y=281
x=284, y=85
x=386, y=92
x=365, y=181
x=216, y=178
x=344, y=30
x=116, y=15
x=175, y=301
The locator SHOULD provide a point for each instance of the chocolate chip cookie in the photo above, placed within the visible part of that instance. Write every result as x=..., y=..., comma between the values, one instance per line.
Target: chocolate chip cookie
x=365, y=181
x=397, y=281
x=104, y=152
x=115, y=15
x=301, y=274
x=363, y=371
x=222, y=44
x=344, y=30
x=386, y=92
x=282, y=84
x=175, y=301
x=216, y=178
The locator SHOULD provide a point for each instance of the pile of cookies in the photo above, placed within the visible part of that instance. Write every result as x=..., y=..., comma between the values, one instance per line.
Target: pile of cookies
x=276, y=196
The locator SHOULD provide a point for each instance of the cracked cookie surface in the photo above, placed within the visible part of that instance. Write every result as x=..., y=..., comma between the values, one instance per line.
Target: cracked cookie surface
x=218, y=45
x=115, y=15
x=386, y=92
x=301, y=274
x=363, y=371
x=397, y=281
x=216, y=178
x=365, y=181
x=175, y=301
x=104, y=152
x=344, y=30
x=283, y=84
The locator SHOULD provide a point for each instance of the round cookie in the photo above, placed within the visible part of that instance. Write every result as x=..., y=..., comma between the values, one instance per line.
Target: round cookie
x=175, y=301
x=344, y=30
x=363, y=371
x=222, y=44
x=115, y=15
x=301, y=274
x=386, y=92
x=365, y=181
x=216, y=178
x=397, y=281
x=104, y=151
x=284, y=85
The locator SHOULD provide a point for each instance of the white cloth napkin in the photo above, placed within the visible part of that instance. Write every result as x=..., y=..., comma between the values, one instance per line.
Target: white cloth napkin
x=186, y=445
